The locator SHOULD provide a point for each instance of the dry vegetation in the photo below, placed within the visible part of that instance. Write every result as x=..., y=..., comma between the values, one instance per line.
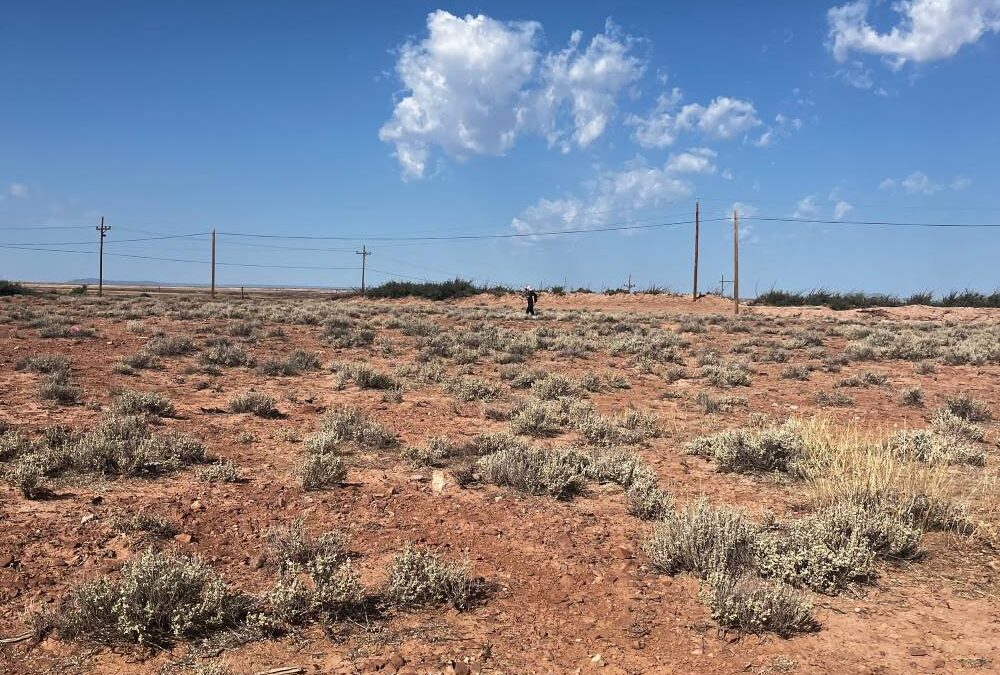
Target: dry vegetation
x=199, y=486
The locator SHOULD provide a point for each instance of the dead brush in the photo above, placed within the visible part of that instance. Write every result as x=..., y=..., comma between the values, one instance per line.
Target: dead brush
x=366, y=377
x=143, y=522
x=968, y=408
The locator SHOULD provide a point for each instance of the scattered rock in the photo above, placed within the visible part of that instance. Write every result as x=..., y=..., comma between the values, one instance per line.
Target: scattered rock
x=439, y=481
x=917, y=651
x=183, y=538
x=257, y=562
x=87, y=518
x=396, y=661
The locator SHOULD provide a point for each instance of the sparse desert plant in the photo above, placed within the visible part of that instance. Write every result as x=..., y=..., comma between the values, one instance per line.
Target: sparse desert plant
x=58, y=387
x=551, y=387
x=534, y=418
x=421, y=578
x=646, y=500
x=170, y=345
x=703, y=539
x=366, y=377
x=297, y=361
x=320, y=470
x=131, y=402
x=220, y=472
x=968, y=408
x=226, y=354
x=772, y=448
x=866, y=378
x=472, y=389
x=833, y=399
x=143, y=522
x=752, y=605
x=947, y=423
x=912, y=396
x=536, y=471
x=260, y=405
x=291, y=545
x=124, y=445
x=795, y=372
x=345, y=332
x=158, y=599
x=727, y=374
x=348, y=425
x=43, y=363
x=927, y=445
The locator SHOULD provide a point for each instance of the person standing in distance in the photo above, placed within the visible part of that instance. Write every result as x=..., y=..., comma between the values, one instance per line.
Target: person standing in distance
x=531, y=297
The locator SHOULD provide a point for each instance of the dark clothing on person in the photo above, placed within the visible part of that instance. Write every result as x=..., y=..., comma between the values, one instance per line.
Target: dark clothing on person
x=531, y=297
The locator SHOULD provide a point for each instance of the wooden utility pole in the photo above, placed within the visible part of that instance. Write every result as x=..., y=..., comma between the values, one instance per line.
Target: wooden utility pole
x=364, y=253
x=103, y=229
x=697, y=226
x=213, y=262
x=736, y=262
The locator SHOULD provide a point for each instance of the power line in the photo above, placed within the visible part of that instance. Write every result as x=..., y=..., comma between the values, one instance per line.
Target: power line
x=460, y=237
x=113, y=241
x=888, y=223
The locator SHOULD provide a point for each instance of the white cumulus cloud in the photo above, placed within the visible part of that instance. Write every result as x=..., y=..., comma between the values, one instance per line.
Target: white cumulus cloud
x=841, y=209
x=927, y=30
x=474, y=84
x=17, y=190
x=695, y=160
x=722, y=119
x=917, y=182
x=635, y=187
x=806, y=208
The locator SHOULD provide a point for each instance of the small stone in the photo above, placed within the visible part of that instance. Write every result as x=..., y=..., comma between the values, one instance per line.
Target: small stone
x=917, y=651
x=6, y=560
x=87, y=518
x=257, y=562
x=183, y=538
x=461, y=668
x=196, y=505
x=439, y=481
x=417, y=478
x=396, y=660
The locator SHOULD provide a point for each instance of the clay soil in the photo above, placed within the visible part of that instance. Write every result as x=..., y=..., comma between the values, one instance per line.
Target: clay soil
x=571, y=588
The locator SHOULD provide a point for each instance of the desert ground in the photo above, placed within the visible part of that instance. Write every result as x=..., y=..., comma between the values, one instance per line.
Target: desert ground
x=624, y=484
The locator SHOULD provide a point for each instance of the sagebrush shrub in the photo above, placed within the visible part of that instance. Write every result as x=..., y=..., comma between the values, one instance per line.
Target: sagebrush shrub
x=536, y=471
x=703, y=539
x=43, y=363
x=320, y=470
x=419, y=578
x=968, y=408
x=256, y=403
x=772, y=448
x=348, y=425
x=756, y=606
x=131, y=402
x=158, y=598
x=170, y=345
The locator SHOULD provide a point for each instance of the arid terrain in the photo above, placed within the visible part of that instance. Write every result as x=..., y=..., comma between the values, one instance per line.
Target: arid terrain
x=624, y=484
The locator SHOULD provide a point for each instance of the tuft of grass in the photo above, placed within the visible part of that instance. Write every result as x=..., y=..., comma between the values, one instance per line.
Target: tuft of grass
x=143, y=522
x=833, y=399
x=290, y=545
x=912, y=396
x=348, y=425
x=727, y=374
x=367, y=377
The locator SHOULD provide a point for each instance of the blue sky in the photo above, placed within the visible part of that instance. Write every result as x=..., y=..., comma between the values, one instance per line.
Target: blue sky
x=378, y=120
